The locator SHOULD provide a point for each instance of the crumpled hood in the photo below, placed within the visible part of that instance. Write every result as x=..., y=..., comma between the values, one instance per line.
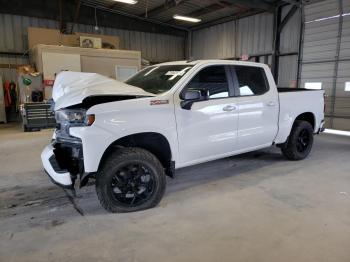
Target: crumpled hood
x=71, y=88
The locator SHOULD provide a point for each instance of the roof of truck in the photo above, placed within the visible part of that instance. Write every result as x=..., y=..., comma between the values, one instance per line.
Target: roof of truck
x=212, y=61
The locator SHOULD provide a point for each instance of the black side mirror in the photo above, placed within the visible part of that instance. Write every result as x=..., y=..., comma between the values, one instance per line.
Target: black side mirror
x=192, y=95
x=189, y=97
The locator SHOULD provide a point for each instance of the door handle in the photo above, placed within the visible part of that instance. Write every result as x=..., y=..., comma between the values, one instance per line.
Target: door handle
x=229, y=108
x=271, y=103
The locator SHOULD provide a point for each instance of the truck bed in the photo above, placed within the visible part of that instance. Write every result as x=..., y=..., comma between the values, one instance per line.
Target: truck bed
x=291, y=89
x=294, y=102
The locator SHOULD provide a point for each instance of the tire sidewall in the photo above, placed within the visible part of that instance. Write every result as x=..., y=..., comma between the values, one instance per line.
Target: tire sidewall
x=300, y=126
x=121, y=158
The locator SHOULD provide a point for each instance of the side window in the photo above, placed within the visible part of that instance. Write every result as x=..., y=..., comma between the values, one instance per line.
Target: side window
x=211, y=82
x=251, y=80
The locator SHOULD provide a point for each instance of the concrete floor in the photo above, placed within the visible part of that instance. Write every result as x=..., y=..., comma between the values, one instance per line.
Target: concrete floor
x=254, y=207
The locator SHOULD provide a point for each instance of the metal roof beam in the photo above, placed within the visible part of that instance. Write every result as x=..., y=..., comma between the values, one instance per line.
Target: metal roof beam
x=292, y=2
x=256, y=4
x=165, y=7
x=226, y=19
x=291, y=12
x=211, y=8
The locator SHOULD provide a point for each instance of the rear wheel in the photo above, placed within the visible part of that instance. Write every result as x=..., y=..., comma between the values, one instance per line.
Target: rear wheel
x=300, y=141
x=131, y=179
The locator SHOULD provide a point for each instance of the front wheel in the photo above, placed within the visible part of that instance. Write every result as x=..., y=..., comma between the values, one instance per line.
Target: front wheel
x=131, y=179
x=300, y=141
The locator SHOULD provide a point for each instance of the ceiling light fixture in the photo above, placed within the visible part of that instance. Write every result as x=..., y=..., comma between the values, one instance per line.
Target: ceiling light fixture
x=130, y=2
x=187, y=18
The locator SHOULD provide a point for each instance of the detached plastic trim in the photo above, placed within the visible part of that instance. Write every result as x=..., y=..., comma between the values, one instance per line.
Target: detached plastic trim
x=59, y=177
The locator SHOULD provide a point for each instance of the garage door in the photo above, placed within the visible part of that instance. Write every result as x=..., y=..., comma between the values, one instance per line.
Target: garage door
x=326, y=57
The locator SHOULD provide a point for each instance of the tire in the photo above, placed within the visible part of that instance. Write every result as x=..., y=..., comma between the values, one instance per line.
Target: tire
x=131, y=179
x=300, y=141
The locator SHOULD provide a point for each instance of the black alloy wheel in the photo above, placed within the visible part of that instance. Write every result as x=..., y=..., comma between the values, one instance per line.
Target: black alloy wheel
x=133, y=184
x=303, y=140
x=300, y=141
x=130, y=179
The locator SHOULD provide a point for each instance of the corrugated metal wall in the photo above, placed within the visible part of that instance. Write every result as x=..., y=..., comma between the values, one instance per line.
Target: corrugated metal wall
x=326, y=57
x=253, y=36
x=289, y=43
x=215, y=42
x=250, y=35
x=154, y=47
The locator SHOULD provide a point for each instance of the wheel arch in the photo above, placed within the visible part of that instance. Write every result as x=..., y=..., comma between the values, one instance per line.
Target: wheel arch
x=154, y=142
x=308, y=117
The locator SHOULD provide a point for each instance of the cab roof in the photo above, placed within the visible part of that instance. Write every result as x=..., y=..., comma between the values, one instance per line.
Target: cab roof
x=212, y=61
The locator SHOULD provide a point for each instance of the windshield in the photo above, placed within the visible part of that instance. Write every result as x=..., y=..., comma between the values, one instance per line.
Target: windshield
x=159, y=79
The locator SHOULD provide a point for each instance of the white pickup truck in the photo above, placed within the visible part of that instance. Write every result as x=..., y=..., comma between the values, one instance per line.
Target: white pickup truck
x=129, y=136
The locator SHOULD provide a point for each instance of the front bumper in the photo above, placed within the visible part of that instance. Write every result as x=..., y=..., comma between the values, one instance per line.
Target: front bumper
x=322, y=127
x=59, y=176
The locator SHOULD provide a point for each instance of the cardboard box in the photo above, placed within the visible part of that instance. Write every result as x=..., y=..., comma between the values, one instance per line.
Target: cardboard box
x=70, y=40
x=90, y=42
x=108, y=41
x=45, y=36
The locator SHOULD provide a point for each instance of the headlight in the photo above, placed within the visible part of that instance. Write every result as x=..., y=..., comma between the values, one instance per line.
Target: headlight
x=74, y=117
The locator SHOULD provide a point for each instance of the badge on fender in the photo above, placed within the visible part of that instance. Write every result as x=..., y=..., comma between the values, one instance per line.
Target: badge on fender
x=159, y=102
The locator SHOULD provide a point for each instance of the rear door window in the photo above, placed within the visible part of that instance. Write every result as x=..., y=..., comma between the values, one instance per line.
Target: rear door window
x=251, y=80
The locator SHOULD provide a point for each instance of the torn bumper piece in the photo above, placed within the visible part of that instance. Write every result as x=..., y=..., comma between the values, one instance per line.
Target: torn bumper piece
x=58, y=176
x=322, y=127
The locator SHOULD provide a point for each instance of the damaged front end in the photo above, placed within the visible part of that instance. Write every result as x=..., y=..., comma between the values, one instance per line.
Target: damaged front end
x=74, y=93
x=67, y=149
x=63, y=159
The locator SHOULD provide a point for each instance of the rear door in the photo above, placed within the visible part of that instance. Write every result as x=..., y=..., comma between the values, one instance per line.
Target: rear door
x=257, y=107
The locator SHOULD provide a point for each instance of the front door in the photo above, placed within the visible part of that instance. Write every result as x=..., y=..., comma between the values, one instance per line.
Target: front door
x=209, y=129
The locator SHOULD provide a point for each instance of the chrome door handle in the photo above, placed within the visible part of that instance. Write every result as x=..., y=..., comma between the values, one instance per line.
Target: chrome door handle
x=229, y=108
x=271, y=103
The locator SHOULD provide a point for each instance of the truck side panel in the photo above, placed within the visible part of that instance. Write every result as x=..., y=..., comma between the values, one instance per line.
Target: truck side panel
x=293, y=104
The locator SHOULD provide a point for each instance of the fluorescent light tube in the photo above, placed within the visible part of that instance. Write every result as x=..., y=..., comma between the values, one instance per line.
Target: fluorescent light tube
x=130, y=2
x=187, y=18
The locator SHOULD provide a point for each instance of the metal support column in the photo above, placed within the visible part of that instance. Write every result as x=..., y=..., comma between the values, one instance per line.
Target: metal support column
x=276, y=42
x=301, y=45
x=188, y=47
x=336, y=63
x=279, y=24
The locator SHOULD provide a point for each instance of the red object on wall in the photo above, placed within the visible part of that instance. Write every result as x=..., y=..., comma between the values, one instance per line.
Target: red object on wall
x=7, y=94
x=48, y=82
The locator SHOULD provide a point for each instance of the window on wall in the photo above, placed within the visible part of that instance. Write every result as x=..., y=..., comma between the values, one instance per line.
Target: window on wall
x=251, y=80
x=347, y=86
x=211, y=82
x=313, y=85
